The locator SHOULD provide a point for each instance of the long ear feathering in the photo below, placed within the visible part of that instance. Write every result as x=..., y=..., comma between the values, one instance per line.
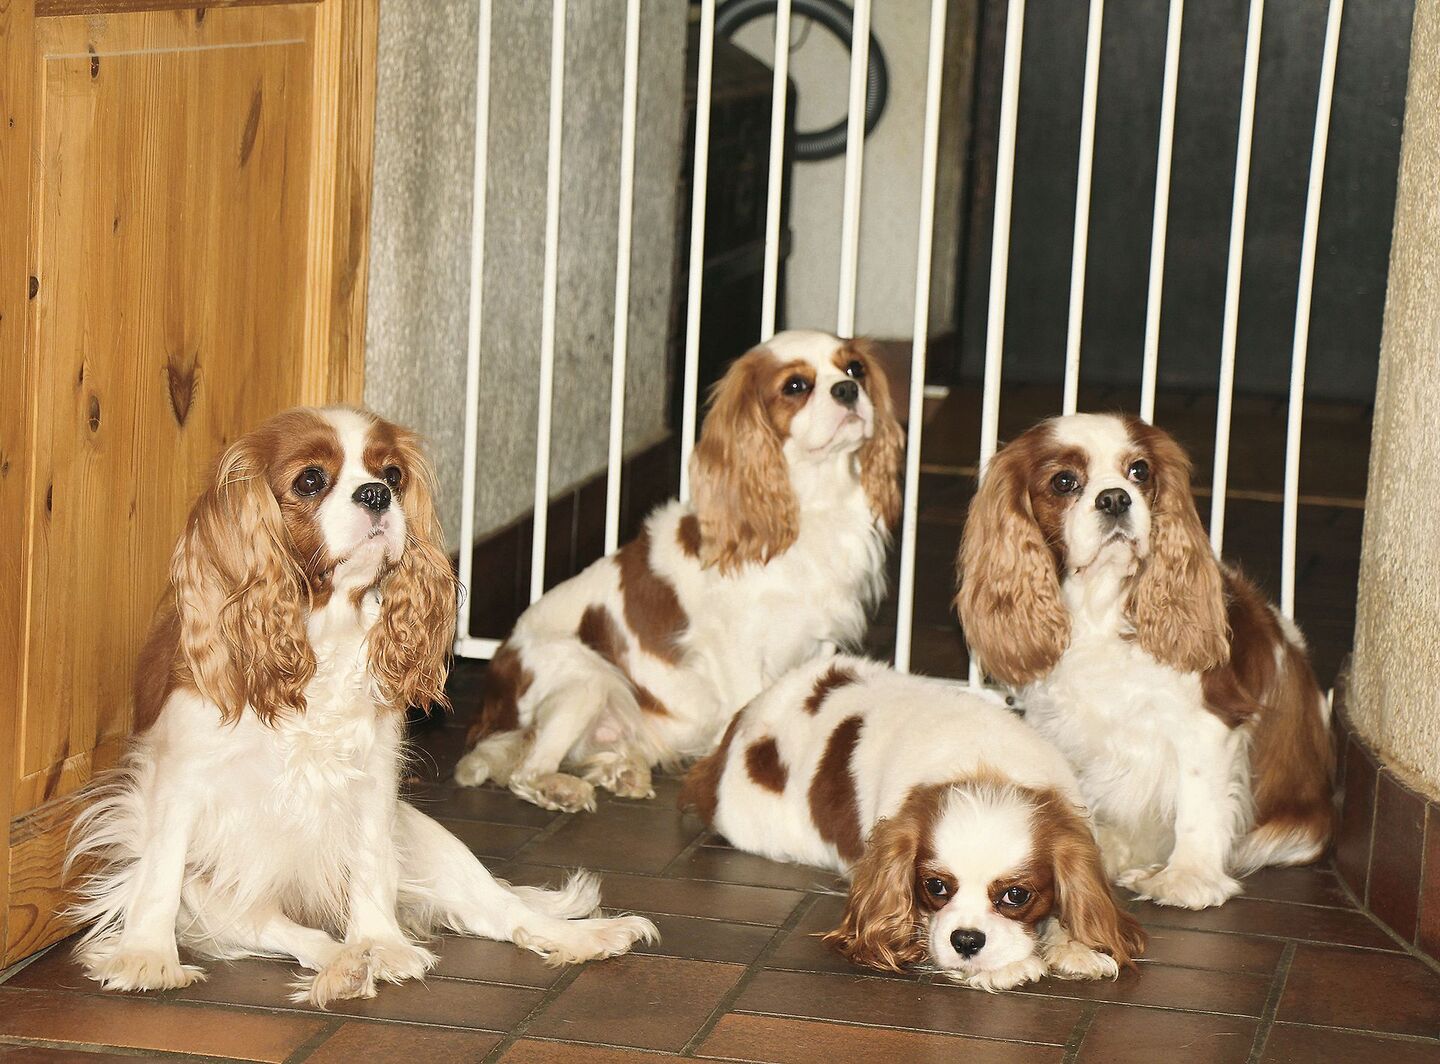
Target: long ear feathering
x=410, y=643
x=1009, y=594
x=1088, y=910
x=742, y=494
x=1177, y=602
x=239, y=595
x=880, y=456
x=882, y=925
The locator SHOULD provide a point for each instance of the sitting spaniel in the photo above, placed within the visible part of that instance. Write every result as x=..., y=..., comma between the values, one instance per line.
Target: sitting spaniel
x=959, y=826
x=642, y=658
x=1183, y=699
x=257, y=814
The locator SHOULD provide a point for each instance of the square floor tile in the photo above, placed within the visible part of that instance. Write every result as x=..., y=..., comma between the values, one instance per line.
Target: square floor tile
x=1123, y=1035
x=651, y=894
x=1355, y=988
x=358, y=1042
x=1289, y=1044
x=782, y=1041
x=643, y=1002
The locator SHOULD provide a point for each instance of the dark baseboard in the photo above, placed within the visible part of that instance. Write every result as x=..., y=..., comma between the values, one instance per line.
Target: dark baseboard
x=1387, y=844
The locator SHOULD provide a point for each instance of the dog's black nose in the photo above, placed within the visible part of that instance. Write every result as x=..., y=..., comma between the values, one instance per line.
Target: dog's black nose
x=967, y=941
x=845, y=392
x=1113, y=501
x=373, y=496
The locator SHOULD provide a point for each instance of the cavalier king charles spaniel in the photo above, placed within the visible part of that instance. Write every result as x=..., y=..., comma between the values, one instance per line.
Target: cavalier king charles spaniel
x=641, y=659
x=1184, y=700
x=960, y=827
x=257, y=814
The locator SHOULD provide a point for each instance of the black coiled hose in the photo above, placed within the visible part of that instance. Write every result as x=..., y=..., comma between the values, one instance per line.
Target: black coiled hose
x=839, y=18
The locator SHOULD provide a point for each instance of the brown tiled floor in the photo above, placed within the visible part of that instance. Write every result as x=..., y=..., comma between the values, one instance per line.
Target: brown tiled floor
x=1290, y=972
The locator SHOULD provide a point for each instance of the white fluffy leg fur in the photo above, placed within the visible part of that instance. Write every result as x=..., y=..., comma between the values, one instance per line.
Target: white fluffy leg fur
x=1066, y=958
x=491, y=760
x=444, y=885
x=579, y=897
x=622, y=774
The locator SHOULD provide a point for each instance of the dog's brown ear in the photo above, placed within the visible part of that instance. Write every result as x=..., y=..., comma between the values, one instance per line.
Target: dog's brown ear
x=883, y=925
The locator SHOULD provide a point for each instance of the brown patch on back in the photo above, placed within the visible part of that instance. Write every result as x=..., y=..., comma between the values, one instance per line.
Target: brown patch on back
x=687, y=535
x=700, y=790
x=161, y=668
x=1292, y=761
x=833, y=804
x=505, y=683
x=599, y=631
x=652, y=609
x=762, y=762
x=832, y=679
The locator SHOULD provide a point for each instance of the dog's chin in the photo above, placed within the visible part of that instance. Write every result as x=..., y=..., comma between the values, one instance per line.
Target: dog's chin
x=1118, y=547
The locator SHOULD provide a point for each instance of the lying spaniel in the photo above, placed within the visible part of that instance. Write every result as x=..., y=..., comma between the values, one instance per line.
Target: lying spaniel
x=1183, y=699
x=641, y=659
x=311, y=601
x=959, y=826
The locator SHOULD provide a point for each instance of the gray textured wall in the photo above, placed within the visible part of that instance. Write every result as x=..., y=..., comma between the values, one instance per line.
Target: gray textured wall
x=420, y=239
x=1395, y=689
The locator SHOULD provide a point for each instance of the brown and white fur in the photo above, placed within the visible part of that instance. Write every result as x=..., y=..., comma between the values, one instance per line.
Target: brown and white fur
x=959, y=826
x=1185, y=702
x=311, y=601
x=642, y=658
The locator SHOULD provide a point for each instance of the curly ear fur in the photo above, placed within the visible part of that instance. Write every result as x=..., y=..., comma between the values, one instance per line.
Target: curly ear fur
x=883, y=923
x=240, y=595
x=1177, y=600
x=880, y=456
x=410, y=643
x=1087, y=907
x=741, y=482
x=1009, y=594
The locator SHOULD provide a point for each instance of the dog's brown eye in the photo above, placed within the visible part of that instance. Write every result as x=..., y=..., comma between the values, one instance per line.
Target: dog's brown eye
x=796, y=386
x=1139, y=471
x=937, y=887
x=856, y=369
x=1015, y=896
x=1065, y=483
x=393, y=475
x=311, y=481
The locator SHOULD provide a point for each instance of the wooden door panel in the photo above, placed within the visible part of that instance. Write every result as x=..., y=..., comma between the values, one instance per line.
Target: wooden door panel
x=193, y=227
x=174, y=156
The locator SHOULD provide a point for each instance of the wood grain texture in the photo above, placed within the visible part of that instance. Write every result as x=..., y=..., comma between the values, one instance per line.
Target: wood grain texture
x=16, y=107
x=195, y=209
x=47, y=8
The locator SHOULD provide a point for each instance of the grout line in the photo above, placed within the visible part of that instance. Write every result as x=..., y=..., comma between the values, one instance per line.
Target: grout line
x=1430, y=962
x=1394, y=1036
x=1079, y=1031
x=517, y=1032
x=727, y=1002
x=97, y=1050
x=685, y=853
x=863, y=1025
x=1272, y=1003
x=315, y=1041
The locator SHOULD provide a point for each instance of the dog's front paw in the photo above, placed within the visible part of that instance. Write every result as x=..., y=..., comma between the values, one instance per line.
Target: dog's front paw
x=395, y=962
x=622, y=776
x=559, y=791
x=588, y=940
x=348, y=975
x=1072, y=960
x=1006, y=977
x=1184, y=888
x=142, y=969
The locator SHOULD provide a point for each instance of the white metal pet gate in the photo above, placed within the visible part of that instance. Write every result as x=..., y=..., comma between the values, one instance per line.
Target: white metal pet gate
x=467, y=645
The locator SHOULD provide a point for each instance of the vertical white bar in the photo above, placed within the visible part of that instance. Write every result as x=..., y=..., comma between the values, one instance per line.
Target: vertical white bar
x=1080, y=243
x=1162, y=210
x=620, y=347
x=699, y=180
x=905, y=605
x=1000, y=245
x=778, y=96
x=1318, y=146
x=1232, y=275
x=854, y=170
x=472, y=348
x=547, y=304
